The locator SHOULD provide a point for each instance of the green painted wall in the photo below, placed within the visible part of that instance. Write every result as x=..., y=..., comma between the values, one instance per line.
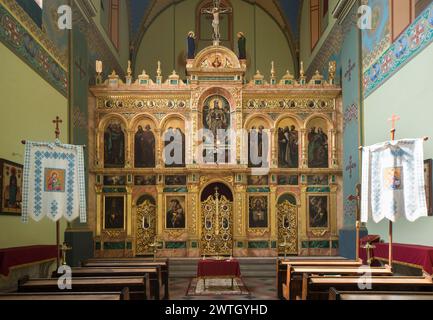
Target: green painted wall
x=28, y=106
x=165, y=40
x=408, y=94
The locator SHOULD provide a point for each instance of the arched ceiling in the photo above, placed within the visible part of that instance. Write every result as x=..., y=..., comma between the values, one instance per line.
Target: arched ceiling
x=285, y=12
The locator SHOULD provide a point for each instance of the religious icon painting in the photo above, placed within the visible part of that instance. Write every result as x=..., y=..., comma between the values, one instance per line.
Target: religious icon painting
x=318, y=180
x=175, y=212
x=428, y=181
x=318, y=147
x=288, y=144
x=216, y=114
x=258, y=180
x=318, y=212
x=114, y=145
x=258, y=144
x=144, y=145
x=114, y=212
x=258, y=212
x=145, y=180
x=174, y=137
x=11, y=187
x=175, y=180
x=114, y=180
x=289, y=180
x=392, y=178
x=54, y=180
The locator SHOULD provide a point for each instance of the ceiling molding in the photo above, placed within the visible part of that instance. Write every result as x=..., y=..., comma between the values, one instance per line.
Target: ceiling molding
x=342, y=9
x=87, y=8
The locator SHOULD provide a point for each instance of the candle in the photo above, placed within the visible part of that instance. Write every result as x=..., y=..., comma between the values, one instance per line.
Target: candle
x=98, y=66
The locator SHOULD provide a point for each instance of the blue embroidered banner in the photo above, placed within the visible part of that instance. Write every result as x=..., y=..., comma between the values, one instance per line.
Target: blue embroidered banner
x=53, y=182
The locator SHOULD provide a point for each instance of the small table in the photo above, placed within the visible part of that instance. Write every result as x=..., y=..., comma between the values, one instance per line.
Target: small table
x=210, y=269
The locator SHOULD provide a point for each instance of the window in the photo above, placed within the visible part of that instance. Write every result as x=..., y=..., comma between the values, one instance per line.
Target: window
x=402, y=16
x=34, y=9
x=110, y=19
x=114, y=22
x=325, y=15
x=421, y=5
x=325, y=7
x=315, y=26
x=39, y=3
x=404, y=12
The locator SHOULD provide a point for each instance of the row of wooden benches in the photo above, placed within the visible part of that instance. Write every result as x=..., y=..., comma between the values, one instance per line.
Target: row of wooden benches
x=314, y=279
x=101, y=279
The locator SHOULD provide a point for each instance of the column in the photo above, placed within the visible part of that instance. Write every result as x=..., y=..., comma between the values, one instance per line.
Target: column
x=273, y=213
x=334, y=160
x=304, y=149
x=160, y=211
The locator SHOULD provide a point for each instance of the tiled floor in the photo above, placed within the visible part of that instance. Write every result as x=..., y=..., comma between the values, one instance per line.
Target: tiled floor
x=260, y=289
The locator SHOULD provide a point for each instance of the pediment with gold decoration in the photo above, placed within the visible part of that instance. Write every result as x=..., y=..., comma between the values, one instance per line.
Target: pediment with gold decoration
x=215, y=59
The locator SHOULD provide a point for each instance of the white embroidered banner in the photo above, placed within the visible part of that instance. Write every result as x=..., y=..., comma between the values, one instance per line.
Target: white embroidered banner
x=53, y=182
x=393, y=181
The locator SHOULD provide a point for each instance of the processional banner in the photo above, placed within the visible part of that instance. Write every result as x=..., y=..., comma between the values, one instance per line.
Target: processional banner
x=53, y=182
x=393, y=181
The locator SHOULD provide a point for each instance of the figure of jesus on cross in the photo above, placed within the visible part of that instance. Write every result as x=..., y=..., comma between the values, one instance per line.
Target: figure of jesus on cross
x=215, y=11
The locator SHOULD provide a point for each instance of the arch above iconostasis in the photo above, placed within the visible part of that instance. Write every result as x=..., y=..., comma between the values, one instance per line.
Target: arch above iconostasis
x=258, y=120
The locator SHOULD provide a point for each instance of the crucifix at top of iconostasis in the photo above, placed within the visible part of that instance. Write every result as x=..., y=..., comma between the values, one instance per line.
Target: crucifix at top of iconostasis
x=216, y=10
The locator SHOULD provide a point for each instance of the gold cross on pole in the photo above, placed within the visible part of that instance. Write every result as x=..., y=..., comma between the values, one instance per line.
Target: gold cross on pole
x=57, y=121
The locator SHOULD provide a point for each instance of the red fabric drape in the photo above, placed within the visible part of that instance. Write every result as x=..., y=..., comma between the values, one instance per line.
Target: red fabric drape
x=219, y=268
x=14, y=257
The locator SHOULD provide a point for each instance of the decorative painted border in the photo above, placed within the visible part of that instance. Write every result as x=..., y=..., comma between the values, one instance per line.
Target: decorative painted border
x=16, y=37
x=27, y=22
x=416, y=38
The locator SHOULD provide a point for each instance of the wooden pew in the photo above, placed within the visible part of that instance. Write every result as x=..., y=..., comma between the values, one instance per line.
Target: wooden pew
x=136, y=286
x=133, y=263
x=292, y=289
x=378, y=295
x=71, y=296
x=317, y=287
x=154, y=274
x=283, y=264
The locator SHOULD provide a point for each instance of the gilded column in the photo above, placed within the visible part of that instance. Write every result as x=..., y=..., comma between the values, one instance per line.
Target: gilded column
x=304, y=149
x=239, y=131
x=194, y=209
x=98, y=158
x=334, y=160
x=273, y=213
x=129, y=148
x=333, y=210
x=159, y=149
x=160, y=212
x=99, y=210
x=239, y=213
x=129, y=211
x=302, y=224
x=274, y=152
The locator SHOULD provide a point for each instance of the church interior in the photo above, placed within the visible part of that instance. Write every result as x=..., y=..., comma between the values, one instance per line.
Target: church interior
x=216, y=150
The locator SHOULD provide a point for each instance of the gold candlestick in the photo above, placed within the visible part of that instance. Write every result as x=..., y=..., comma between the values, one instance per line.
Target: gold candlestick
x=155, y=245
x=64, y=248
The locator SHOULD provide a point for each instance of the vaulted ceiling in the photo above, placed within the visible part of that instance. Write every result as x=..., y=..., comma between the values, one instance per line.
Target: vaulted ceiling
x=285, y=12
